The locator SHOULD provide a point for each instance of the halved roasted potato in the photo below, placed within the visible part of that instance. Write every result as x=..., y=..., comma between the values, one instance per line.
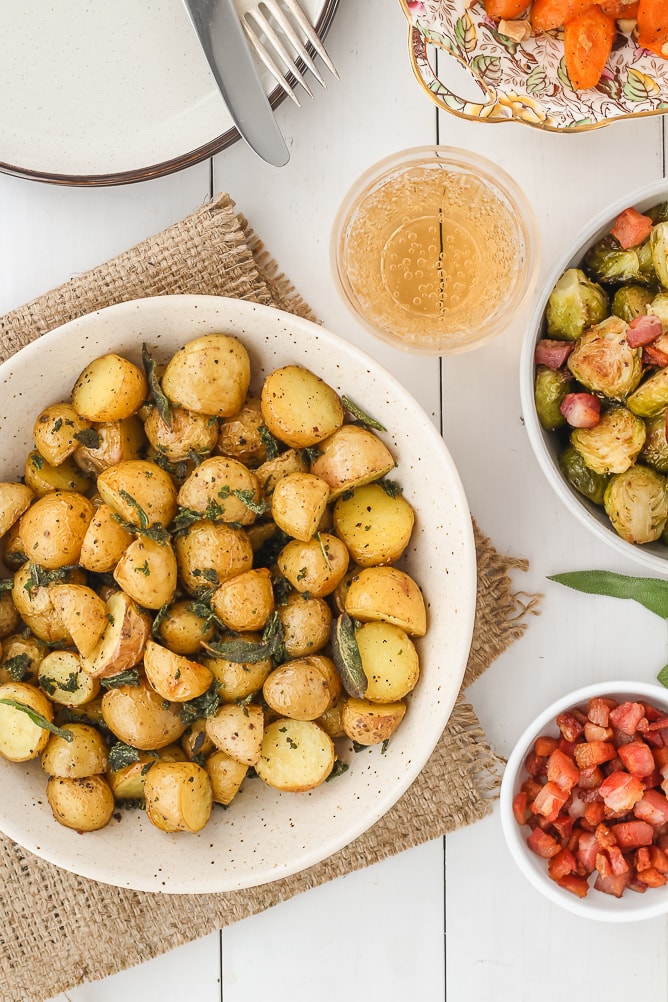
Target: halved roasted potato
x=139, y=716
x=139, y=491
x=237, y=730
x=104, y=542
x=14, y=500
x=83, y=613
x=297, y=755
x=174, y=677
x=178, y=796
x=53, y=528
x=226, y=776
x=386, y=593
x=84, y=754
x=61, y=676
x=389, y=661
x=147, y=572
x=375, y=526
x=21, y=739
x=42, y=478
x=110, y=388
x=122, y=644
x=298, y=407
x=298, y=503
x=351, y=457
x=371, y=723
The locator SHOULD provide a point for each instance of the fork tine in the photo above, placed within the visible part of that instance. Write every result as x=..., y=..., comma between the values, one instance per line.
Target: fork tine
x=300, y=17
x=277, y=44
x=288, y=30
x=267, y=61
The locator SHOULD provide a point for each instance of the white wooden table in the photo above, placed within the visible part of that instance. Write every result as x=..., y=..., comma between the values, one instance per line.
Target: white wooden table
x=454, y=918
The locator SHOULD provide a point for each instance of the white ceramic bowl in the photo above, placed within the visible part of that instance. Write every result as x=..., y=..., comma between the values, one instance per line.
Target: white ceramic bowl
x=632, y=905
x=264, y=834
x=546, y=444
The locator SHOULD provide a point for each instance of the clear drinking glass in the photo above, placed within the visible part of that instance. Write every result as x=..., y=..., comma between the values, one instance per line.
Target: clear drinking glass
x=435, y=249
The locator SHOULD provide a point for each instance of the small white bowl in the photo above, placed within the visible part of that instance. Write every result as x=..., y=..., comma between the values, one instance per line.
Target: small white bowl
x=632, y=906
x=545, y=444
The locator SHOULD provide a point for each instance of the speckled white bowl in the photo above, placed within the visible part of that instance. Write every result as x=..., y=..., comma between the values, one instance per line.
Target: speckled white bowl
x=632, y=906
x=264, y=834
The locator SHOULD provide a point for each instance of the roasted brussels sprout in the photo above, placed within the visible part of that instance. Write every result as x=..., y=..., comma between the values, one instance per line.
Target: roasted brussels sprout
x=605, y=261
x=550, y=388
x=591, y=485
x=603, y=361
x=658, y=306
x=630, y=301
x=575, y=304
x=651, y=396
x=614, y=444
x=655, y=450
x=658, y=243
x=636, y=503
x=658, y=213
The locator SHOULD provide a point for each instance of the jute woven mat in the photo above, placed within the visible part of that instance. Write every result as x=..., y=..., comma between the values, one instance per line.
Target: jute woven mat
x=58, y=930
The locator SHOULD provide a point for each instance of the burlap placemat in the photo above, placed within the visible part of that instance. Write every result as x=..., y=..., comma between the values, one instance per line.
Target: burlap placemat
x=58, y=930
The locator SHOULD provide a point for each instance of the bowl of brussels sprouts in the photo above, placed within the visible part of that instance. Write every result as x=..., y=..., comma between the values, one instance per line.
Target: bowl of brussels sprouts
x=594, y=377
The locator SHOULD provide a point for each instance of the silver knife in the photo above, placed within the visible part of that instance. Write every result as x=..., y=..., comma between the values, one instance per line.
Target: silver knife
x=223, y=40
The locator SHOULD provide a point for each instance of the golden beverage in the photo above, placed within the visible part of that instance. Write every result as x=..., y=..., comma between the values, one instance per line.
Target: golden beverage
x=431, y=255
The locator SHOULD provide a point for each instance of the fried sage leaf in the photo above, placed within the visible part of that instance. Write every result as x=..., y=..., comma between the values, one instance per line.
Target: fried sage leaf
x=38, y=719
x=347, y=657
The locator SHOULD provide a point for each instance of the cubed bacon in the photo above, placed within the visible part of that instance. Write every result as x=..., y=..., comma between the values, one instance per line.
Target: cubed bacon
x=658, y=725
x=643, y=330
x=521, y=807
x=581, y=410
x=532, y=788
x=543, y=844
x=561, y=864
x=659, y=859
x=575, y=884
x=590, y=778
x=562, y=770
x=631, y=228
x=544, y=746
x=613, y=883
x=632, y=834
x=627, y=716
x=593, y=753
x=563, y=825
x=594, y=812
x=570, y=726
x=621, y=792
x=652, y=355
x=598, y=710
x=549, y=801
x=587, y=851
x=642, y=859
x=594, y=732
x=637, y=758
x=535, y=765
x=551, y=353
x=652, y=808
x=652, y=877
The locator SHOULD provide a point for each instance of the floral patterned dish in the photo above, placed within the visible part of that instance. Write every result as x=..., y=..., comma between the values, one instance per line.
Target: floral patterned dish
x=526, y=80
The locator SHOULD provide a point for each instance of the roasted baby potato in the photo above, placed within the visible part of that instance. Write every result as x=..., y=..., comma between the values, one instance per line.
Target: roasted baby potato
x=82, y=612
x=9, y=617
x=222, y=489
x=122, y=644
x=298, y=407
x=34, y=605
x=147, y=572
x=178, y=796
x=110, y=443
x=315, y=567
x=110, y=388
x=209, y=375
x=21, y=652
x=387, y=594
x=21, y=738
x=174, y=677
x=139, y=491
x=239, y=679
x=375, y=526
x=350, y=457
x=370, y=723
x=237, y=730
x=225, y=775
x=297, y=689
x=246, y=601
x=137, y=715
x=104, y=542
x=42, y=478
x=186, y=435
x=14, y=500
x=306, y=624
x=389, y=661
x=240, y=436
x=209, y=553
x=84, y=754
x=86, y=805
x=55, y=432
x=271, y=471
x=183, y=630
x=63, y=679
x=298, y=504
x=52, y=530
x=297, y=755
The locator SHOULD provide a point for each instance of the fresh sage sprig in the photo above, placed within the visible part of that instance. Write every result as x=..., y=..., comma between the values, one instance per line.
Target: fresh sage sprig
x=652, y=593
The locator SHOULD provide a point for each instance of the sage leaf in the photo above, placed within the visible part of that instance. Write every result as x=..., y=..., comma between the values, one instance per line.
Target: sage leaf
x=346, y=656
x=650, y=592
x=38, y=719
x=360, y=416
x=662, y=677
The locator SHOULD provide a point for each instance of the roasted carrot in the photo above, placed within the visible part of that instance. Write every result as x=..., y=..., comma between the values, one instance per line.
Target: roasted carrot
x=588, y=39
x=548, y=14
x=505, y=10
x=620, y=9
x=653, y=26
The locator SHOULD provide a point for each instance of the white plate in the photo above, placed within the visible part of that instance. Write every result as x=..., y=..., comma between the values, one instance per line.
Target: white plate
x=263, y=835
x=106, y=92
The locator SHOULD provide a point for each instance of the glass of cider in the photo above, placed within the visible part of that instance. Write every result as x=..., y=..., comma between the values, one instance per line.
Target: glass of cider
x=435, y=250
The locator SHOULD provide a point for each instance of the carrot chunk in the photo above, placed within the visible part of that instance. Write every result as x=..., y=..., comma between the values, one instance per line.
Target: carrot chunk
x=653, y=26
x=588, y=39
x=505, y=10
x=548, y=14
x=620, y=9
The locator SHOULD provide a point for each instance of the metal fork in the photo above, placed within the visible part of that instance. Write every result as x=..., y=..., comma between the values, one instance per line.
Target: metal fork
x=281, y=34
